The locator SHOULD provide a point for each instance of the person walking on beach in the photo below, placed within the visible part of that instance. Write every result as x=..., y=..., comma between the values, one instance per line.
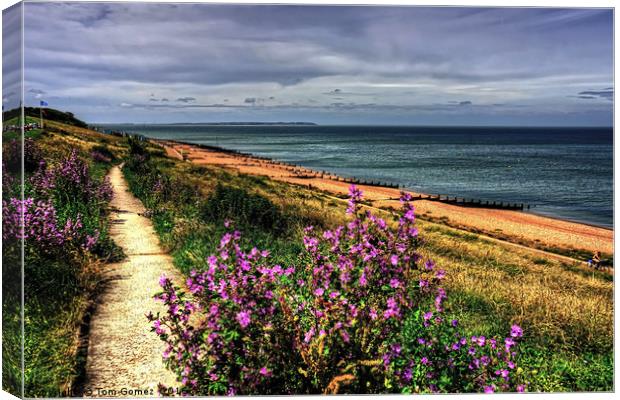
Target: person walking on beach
x=596, y=260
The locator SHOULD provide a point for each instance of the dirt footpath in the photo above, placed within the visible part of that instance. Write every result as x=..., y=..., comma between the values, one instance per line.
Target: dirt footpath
x=123, y=354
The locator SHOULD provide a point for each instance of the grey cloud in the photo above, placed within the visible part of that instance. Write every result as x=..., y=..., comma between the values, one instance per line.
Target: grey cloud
x=585, y=97
x=460, y=103
x=340, y=92
x=350, y=106
x=335, y=91
x=178, y=106
x=607, y=93
x=258, y=100
x=11, y=56
x=198, y=49
x=235, y=50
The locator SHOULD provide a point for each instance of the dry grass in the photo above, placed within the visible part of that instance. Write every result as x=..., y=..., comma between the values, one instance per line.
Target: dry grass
x=64, y=136
x=84, y=134
x=558, y=304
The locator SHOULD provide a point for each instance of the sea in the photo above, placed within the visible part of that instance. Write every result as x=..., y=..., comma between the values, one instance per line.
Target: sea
x=565, y=173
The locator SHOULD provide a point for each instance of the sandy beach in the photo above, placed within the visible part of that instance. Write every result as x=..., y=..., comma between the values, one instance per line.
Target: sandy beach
x=518, y=225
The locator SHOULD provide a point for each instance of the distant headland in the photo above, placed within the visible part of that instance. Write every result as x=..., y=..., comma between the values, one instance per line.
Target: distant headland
x=236, y=123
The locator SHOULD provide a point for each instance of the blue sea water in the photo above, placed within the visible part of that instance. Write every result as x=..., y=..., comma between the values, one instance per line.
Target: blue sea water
x=561, y=172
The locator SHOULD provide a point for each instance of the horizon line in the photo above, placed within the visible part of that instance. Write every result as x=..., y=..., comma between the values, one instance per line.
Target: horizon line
x=310, y=123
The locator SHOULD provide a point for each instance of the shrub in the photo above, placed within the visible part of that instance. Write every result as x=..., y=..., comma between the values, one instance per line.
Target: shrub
x=436, y=357
x=235, y=348
x=10, y=185
x=76, y=196
x=103, y=151
x=246, y=209
x=70, y=182
x=352, y=298
x=12, y=155
x=41, y=228
x=137, y=148
x=359, y=313
x=155, y=189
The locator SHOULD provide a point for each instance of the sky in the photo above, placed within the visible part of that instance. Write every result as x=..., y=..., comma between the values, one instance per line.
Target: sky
x=159, y=63
x=11, y=57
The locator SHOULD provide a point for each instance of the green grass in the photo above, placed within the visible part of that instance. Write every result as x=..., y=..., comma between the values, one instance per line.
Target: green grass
x=12, y=135
x=15, y=120
x=11, y=336
x=50, y=333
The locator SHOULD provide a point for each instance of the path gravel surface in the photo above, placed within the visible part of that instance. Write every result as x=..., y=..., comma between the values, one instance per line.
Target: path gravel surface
x=124, y=356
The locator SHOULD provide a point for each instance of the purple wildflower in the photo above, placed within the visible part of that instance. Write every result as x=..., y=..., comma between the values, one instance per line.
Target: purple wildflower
x=243, y=318
x=355, y=196
x=394, y=260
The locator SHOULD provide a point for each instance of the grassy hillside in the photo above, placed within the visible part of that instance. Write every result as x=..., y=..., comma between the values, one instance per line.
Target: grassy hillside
x=32, y=116
x=62, y=261
x=11, y=117
x=566, y=312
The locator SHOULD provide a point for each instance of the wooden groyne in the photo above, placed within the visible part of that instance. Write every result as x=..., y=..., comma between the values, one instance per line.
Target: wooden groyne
x=300, y=172
x=465, y=202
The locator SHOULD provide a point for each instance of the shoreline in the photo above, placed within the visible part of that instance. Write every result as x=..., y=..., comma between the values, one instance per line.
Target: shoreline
x=464, y=202
x=574, y=221
x=429, y=195
x=525, y=226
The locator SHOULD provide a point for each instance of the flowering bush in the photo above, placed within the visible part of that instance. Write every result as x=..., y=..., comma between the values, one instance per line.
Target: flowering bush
x=353, y=295
x=102, y=154
x=62, y=215
x=59, y=222
x=76, y=196
x=99, y=157
x=70, y=182
x=234, y=345
x=436, y=357
x=359, y=313
x=41, y=227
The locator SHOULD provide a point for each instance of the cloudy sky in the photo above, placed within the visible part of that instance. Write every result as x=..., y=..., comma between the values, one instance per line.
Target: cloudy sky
x=132, y=62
